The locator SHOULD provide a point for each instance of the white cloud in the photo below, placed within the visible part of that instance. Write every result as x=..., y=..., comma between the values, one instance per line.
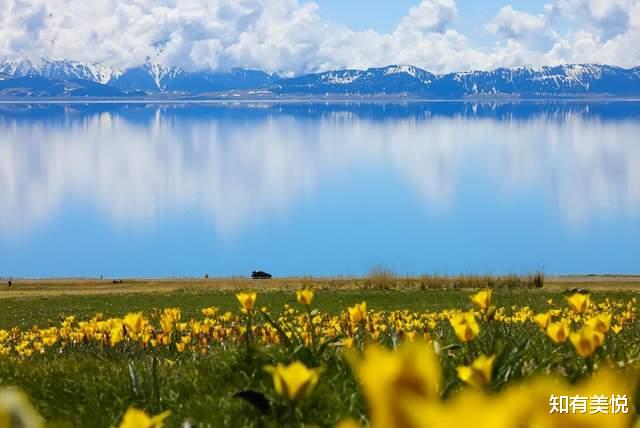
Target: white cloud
x=532, y=31
x=276, y=35
x=290, y=37
x=514, y=24
x=599, y=31
x=429, y=16
x=609, y=17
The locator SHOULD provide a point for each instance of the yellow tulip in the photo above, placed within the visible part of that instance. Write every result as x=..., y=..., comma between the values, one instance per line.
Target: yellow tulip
x=295, y=381
x=558, y=332
x=542, y=320
x=586, y=341
x=358, y=312
x=136, y=418
x=579, y=302
x=116, y=335
x=478, y=374
x=347, y=423
x=247, y=300
x=17, y=411
x=465, y=326
x=168, y=318
x=601, y=322
x=304, y=296
x=390, y=379
x=482, y=299
x=209, y=312
x=134, y=322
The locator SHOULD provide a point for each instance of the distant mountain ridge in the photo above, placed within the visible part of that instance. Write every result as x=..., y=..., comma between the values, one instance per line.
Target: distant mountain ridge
x=64, y=78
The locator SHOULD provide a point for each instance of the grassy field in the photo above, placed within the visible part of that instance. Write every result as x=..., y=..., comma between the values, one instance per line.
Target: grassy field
x=89, y=384
x=45, y=302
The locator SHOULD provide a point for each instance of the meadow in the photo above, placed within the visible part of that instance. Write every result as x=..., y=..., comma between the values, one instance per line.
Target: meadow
x=378, y=351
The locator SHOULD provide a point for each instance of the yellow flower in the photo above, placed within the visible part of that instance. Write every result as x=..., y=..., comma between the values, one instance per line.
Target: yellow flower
x=347, y=342
x=534, y=398
x=247, y=300
x=134, y=322
x=482, y=299
x=586, y=341
x=601, y=322
x=542, y=320
x=478, y=374
x=116, y=335
x=558, y=332
x=358, y=312
x=136, y=418
x=465, y=326
x=168, y=318
x=17, y=411
x=616, y=329
x=304, y=296
x=579, y=302
x=469, y=409
x=295, y=381
x=209, y=312
x=390, y=378
x=347, y=423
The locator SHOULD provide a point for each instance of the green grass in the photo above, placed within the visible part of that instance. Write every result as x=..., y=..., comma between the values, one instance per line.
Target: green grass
x=94, y=387
x=86, y=389
x=45, y=311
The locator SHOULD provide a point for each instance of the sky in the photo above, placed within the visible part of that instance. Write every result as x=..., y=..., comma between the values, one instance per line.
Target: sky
x=301, y=36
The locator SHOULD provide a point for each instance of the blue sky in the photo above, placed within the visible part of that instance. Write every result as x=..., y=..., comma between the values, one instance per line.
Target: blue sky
x=298, y=36
x=383, y=16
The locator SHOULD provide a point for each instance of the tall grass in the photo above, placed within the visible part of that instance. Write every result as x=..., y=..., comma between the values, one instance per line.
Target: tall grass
x=384, y=279
x=380, y=278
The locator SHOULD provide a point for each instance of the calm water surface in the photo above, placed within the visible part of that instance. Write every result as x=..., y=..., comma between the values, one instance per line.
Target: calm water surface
x=315, y=189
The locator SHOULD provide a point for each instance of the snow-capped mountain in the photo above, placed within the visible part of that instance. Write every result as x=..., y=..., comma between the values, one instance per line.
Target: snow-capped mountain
x=565, y=80
x=65, y=70
x=149, y=78
x=154, y=78
x=66, y=78
x=392, y=79
x=558, y=80
x=60, y=70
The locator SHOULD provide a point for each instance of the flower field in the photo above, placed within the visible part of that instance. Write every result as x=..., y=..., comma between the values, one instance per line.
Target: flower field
x=570, y=363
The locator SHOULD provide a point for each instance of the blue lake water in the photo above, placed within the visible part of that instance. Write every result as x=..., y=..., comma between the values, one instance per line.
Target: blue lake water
x=319, y=189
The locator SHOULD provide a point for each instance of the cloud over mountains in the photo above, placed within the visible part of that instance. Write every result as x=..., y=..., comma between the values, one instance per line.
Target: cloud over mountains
x=290, y=37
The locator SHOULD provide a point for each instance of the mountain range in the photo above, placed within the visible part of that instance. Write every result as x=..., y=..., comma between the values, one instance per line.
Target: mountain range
x=64, y=78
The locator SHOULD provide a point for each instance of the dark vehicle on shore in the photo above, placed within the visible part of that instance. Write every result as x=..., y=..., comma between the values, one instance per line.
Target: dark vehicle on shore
x=258, y=274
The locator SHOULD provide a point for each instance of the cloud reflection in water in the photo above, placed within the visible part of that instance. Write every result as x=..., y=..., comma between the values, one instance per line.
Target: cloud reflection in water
x=240, y=165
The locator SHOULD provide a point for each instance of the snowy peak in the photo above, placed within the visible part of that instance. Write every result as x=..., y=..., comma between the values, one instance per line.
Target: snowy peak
x=411, y=70
x=66, y=70
x=392, y=79
x=571, y=80
x=341, y=77
x=159, y=72
x=17, y=67
x=562, y=80
x=59, y=70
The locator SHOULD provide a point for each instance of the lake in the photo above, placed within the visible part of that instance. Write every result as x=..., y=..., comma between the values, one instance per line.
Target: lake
x=157, y=190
